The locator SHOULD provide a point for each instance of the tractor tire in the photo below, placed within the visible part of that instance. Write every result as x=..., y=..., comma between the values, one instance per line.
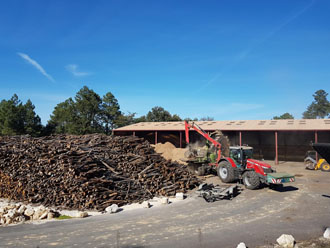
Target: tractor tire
x=251, y=180
x=226, y=172
x=325, y=167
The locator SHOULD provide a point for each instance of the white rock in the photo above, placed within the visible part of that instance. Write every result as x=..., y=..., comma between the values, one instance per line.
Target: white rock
x=8, y=220
x=50, y=215
x=286, y=241
x=2, y=221
x=44, y=215
x=146, y=204
x=326, y=234
x=21, y=209
x=81, y=214
x=2, y=210
x=11, y=213
x=37, y=213
x=112, y=209
x=241, y=245
x=29, y=211
x=179, y=196
x=164, y=200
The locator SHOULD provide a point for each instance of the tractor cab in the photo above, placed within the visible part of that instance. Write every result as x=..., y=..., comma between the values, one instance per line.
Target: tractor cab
x=240, y=154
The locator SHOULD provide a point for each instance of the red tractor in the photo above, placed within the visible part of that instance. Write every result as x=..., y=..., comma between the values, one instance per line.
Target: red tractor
x=231, y=163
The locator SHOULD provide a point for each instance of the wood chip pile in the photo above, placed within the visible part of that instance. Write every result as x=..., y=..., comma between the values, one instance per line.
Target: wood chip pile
x=86, y=172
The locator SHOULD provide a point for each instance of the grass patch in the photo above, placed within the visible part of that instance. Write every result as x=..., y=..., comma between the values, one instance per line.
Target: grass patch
x=63, y=217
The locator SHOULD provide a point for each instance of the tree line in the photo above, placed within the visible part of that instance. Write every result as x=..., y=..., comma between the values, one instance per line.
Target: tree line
x=318, y=109
x=88, y=112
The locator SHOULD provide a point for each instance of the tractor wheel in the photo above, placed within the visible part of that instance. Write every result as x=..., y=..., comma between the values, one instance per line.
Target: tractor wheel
x=226, y=172
x=325, y=167
x=251, y=180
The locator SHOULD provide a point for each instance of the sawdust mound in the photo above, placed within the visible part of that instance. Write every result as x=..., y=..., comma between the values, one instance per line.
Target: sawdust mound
x=170, y=152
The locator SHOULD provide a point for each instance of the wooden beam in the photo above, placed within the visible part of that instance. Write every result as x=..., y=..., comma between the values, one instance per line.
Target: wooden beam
x=180, y=139
x=316, y=137
x=240, y=138
x=156, y=138
x=276, y=149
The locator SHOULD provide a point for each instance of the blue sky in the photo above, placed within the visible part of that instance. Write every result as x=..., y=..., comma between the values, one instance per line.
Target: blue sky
x=231, y=60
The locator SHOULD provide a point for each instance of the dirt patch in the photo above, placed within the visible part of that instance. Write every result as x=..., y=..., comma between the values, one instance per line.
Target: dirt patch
x=170, y=152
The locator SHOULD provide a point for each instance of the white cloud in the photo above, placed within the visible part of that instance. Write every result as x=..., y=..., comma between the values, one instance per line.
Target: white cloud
x=36, y=65
x=74, y=70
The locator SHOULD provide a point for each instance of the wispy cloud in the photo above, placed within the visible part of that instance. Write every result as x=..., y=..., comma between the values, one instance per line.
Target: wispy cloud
x=73, y=68
x=36, y=65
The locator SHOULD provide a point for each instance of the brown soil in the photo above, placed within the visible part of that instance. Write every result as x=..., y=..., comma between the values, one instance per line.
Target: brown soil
x=170, y=152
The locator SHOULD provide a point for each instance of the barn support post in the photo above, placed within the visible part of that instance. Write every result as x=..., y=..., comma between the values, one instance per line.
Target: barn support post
x=156, y=138
x=180, y=139
x=315, y=134
x=240, y=138
x=134, y=133
x=276, y=148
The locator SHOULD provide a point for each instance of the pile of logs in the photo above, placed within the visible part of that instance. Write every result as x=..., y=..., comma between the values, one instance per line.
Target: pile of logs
x=86, y=172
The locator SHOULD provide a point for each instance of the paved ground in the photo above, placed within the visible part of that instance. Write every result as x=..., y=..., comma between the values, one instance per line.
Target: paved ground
x=254, y=217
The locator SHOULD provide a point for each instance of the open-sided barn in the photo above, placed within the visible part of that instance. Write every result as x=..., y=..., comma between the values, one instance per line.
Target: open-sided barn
x=284, y=140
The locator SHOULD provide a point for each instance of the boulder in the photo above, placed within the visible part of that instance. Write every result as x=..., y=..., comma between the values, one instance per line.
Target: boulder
x=50, y=215
x=21, y=209
x=29, y=212
x=326, y=233
x=44, y=215
x=241, y=245
x=12, y=213
x=112, y=209
x=146, y=204
x=179, y=196
x=164, y=200
x=286, y=241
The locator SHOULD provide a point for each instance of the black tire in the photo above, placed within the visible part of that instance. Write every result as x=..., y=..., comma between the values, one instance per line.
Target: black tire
x=226, y=172
x=325, y=167
x=251, y=180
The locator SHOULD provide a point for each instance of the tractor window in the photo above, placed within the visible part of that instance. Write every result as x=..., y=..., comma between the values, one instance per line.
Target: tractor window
x=248, y=153
x=236, y=156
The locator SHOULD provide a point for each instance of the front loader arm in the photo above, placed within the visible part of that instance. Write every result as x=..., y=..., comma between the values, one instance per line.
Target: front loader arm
x=199, y=130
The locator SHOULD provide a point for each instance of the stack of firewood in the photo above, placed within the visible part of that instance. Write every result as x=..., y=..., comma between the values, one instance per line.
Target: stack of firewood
x=86, y=172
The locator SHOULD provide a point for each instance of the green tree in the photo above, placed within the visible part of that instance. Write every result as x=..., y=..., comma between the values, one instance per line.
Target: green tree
x=88, y=108
x=110, y=113
x=189, y=119
x=284, y=116
x=17, y=119
x=160, y=114
x=319, y=108
x=124, y=120
x=87, y=113
x=32, y=122
x=207, y=118
x=64, y=118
